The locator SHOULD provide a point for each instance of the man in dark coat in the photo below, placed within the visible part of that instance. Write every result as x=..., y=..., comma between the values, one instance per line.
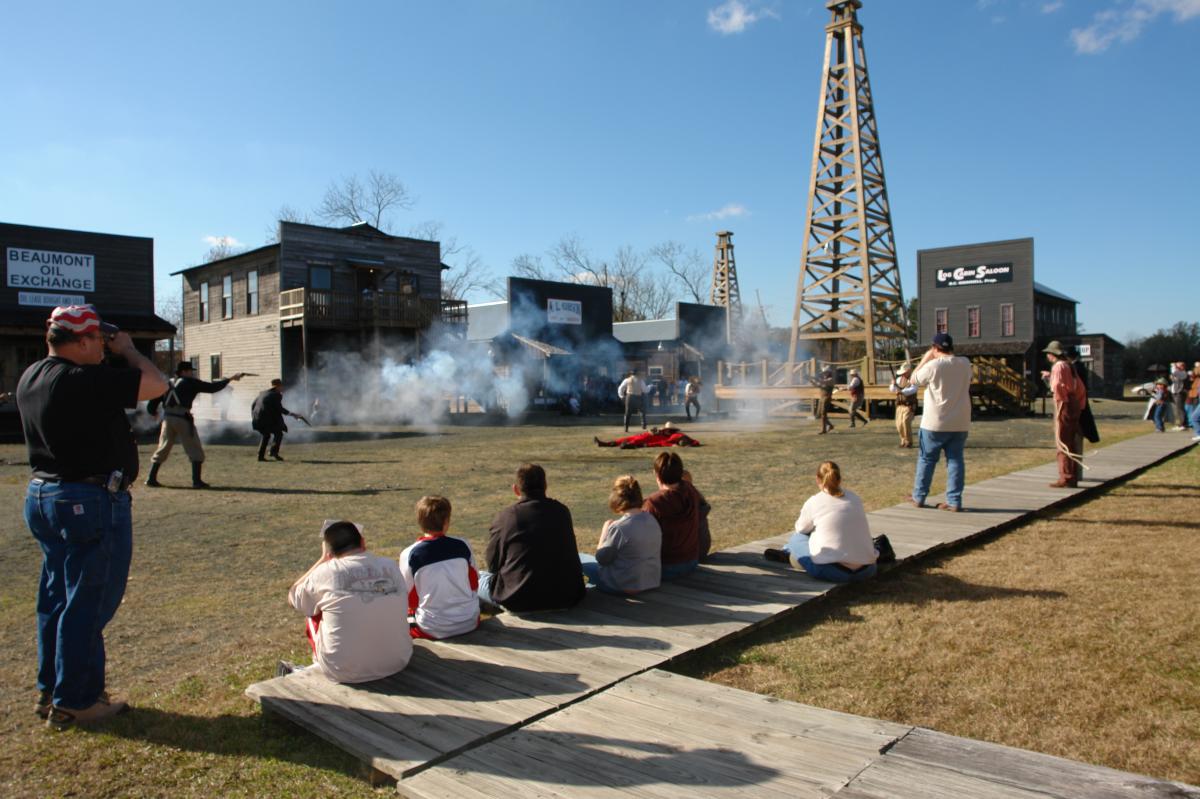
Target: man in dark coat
x=177, y=422
x=266, y=416
x=532, y=555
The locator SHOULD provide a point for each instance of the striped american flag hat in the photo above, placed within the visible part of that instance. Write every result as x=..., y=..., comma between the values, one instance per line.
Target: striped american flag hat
x=79, y=319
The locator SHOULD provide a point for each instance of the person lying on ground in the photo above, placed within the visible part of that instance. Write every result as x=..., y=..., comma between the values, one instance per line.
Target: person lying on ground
x=357, y=609
x=441, y=576
x=532, y=556
x=666, y=436
x=676, y=506
x=832, y=541
x=628, y=558
x=704, y=536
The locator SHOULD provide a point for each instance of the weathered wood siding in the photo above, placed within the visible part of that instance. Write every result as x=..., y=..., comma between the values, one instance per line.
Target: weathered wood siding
x=303, y=246
x=989, y=298
x=248, y=344
x=264, y=261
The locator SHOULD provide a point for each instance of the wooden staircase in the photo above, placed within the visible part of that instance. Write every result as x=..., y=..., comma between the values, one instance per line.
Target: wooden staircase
x=998, y=388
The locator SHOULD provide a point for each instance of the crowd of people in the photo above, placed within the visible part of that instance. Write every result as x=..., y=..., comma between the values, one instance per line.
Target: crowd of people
x=1177, y=396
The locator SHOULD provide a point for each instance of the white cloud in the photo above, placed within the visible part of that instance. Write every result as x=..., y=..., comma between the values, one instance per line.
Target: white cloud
x=734, y=16
x=729, y=211
x=1127, y=23
x=222, y=241
x=1050, y=8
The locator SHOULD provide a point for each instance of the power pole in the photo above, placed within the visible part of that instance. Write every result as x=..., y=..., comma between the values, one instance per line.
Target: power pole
x=849, y=286
x=725, y=292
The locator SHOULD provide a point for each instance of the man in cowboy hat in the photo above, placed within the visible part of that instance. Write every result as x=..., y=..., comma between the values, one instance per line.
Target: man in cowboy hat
x=1069, y=397
x=177, y=422
x=824, y=382
x=906, y=403
x=77, y=506
x=857, y=397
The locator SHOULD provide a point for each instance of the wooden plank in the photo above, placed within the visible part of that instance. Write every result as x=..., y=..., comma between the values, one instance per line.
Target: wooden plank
x=1021, y=768
x=898, y=778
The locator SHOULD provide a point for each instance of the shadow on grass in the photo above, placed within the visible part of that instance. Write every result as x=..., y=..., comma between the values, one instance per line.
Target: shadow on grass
x=1135, y=523
x=351, y=492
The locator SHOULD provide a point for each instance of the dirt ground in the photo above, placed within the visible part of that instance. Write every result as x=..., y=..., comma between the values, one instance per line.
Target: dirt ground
x=205, y=613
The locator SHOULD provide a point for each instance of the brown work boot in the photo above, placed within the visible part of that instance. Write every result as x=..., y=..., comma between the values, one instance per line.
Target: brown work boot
x=44, y=703
x=951, y=508
x=104, y=708
x=1065, y=484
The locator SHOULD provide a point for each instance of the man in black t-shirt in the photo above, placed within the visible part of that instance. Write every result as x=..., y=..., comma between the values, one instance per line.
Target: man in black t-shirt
x=177, y=422
x=77, y=506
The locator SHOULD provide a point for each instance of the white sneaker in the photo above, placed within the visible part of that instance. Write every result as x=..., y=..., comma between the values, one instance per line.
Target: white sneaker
x=1195, y=438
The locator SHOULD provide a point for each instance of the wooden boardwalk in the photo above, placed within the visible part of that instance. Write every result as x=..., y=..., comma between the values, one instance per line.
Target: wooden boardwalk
x=515, y=682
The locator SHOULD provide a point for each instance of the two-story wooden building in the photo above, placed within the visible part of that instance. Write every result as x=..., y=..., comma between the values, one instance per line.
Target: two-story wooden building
x=318, y=293
x=45, y=267
x=986, y=297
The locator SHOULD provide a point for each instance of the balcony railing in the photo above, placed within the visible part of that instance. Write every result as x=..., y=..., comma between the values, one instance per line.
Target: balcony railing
x=324, y=308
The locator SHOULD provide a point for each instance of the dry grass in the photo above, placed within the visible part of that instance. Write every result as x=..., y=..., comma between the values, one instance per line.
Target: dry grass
x=205, y=613
x=1076, y=635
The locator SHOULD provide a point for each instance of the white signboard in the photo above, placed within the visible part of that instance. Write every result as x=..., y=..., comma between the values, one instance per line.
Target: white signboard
x=48, y=300
x=1085, y=350
x=44, y=270
x=564, y=312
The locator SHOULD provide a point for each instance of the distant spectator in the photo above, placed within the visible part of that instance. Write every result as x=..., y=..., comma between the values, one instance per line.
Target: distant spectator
x=1194, y=396
x=676, y=506
x=628, y=558
x=357, y=609
x=832, y=541
x=1179, y=389
x=440, y=572
x=1158, y=403
x=532, y=556
x=945, y=420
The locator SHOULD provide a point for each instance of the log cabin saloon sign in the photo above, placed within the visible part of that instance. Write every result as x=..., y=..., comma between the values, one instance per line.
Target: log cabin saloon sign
x=974, y=275
x=37, y=271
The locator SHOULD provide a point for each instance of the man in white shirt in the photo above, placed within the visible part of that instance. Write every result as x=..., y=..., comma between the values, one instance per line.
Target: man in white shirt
x=945, y=420
x=357, y=608
x=632, y=392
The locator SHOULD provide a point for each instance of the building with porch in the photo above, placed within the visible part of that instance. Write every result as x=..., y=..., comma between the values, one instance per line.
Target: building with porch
x=318, y=294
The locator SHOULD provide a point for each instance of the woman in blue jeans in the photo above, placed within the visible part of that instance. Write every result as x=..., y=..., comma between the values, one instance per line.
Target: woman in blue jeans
x=832, y=541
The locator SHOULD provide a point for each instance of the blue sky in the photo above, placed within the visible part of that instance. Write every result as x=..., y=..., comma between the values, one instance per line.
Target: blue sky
x=625, y=123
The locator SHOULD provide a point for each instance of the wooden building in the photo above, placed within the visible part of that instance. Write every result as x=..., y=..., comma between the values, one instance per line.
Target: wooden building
x=318, y=293
x=46, y=267
x=668, y=350
x=986, y=297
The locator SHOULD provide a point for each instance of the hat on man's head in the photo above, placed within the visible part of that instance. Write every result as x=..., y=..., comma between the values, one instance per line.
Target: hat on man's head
x=853, y=371
x=184, y=366
x=1056, y=349
x=943, y=341
x=79, y=319
x=904, y=369
x=1162, y=381
x=276, y=382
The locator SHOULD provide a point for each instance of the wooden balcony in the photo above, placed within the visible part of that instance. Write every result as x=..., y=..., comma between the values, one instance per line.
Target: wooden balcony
x=347, y=310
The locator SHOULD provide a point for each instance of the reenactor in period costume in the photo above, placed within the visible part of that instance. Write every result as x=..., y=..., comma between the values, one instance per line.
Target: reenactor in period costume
x=1070, y=396
x=858, y=398
x=906, y=404
x=266, y=417
x=824, y=382
x=692, y=397
x=178, y=423
x=632, y=392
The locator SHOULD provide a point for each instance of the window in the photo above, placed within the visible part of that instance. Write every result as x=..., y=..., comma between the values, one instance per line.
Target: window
x=941, y=321
x=195, y=361
x=214, y=365
x=227, y=297
x=655, y=371
x=320, y=277
x=204, y=301
x=972, y=321
x=1007, y=326
x=252, y=292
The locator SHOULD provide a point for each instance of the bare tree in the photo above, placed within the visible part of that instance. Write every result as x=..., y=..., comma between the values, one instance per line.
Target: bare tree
x=222, y=247
x=286, y=213
x=530, y=266
x=170, y=308
x=467, y=273
x=351, y=201
x=687, y=267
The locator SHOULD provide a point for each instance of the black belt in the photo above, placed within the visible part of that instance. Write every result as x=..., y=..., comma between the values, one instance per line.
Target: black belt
x=92, y=480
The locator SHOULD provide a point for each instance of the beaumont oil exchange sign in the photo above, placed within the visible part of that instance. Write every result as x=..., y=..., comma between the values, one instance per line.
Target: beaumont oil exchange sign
x=40, y=275
x=974, y=275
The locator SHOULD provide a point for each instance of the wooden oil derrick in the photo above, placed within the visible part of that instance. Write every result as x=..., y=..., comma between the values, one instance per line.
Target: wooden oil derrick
x=848, y=297
x=725, y=292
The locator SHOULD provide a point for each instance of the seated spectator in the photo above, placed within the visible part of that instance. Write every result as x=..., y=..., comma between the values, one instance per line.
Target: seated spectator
x=628, y=558
x=532, y=557
x=676, y=506
x=357, y=611
x=440, y=572
x=832, y=541
x=704, y=536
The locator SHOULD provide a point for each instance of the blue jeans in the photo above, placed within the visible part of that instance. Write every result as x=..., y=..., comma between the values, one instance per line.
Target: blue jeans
x=1189, y=411
x=797, y=547
x=1196, y=420
x=673, y=571
x=931, y=445
x=591, y=570
x=1159, y=412
x=86, y=535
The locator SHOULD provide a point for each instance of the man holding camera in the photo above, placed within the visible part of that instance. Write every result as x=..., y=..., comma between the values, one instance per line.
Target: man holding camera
x=77, y=506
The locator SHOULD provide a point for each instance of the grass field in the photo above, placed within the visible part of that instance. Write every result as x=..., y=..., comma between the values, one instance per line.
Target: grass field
x=205, y=613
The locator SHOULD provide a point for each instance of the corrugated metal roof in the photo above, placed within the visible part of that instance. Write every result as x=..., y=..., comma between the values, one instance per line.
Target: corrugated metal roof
x=646, y=330
x=1041, y=288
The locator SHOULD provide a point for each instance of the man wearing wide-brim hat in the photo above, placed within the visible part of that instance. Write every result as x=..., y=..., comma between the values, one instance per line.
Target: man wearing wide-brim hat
x=857, y=397
x=1070, y=395
x=906, y=403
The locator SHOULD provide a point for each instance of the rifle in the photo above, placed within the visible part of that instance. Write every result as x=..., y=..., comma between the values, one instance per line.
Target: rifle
x=301, y=418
